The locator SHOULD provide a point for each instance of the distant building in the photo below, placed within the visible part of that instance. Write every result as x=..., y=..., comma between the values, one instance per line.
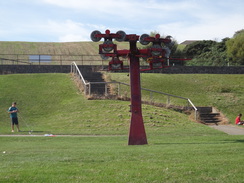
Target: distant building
x=187, y=42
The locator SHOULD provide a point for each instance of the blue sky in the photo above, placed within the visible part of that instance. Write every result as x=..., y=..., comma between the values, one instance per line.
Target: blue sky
x=74, y=20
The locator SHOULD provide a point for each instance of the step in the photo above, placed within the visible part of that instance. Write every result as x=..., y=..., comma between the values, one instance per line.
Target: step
x=90, y=76
x=204, y=109
x=207, y=116
x=211, y=121
x=210, y=114
x=210, y=117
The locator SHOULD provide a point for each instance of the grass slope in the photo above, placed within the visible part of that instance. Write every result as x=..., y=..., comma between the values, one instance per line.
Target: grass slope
x=69, y=51
x=66, y=48
x=50, y=103
x=226, y=92
x=69, y=48
x=56, y=48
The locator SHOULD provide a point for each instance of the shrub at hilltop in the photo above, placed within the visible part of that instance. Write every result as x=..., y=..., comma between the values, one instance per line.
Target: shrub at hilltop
x=230, y=51
x=207, y=53
x=235, y=48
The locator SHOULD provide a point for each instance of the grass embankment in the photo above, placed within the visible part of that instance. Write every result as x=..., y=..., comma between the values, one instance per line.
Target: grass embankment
x=55, y=48
x=61, y=53
x=49, y=103
x=35, y=48
x=226, y=92
x=179, y=150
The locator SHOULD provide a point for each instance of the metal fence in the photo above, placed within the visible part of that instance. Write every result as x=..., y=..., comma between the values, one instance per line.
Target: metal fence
x=118, y=86
x=59, y=59
x=49, y=59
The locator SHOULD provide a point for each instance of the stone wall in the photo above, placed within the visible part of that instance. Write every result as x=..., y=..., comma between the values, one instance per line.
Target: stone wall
x=203, y=70
x=11, y=69
x=14, y=69
x=196, y=70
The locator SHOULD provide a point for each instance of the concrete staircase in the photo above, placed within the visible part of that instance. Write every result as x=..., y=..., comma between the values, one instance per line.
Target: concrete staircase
x=91, y=75
x=209, y=116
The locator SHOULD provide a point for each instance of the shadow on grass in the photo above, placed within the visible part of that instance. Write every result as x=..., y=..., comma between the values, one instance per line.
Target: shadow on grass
x=198, y=143
x=238, y=141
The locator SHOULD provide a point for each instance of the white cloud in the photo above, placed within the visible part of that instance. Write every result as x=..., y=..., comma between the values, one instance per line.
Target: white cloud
x=211, y=23
x=97, y=8
x=71, y=38
x=71, y=31
x=74, y=20
x=128, y=10
x=67, y=31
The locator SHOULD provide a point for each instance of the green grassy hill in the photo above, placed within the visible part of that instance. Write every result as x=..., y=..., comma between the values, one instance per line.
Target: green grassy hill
x=76, y=48
x=62, y=53
x=179, y=150
x=66, y=48
x=225, y=92
x=51, y=103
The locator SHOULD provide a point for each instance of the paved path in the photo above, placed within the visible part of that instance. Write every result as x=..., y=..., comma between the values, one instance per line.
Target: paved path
x=230, y=129
x=50, y=135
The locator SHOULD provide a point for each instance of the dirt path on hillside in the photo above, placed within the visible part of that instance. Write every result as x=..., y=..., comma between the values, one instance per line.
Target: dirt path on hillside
x=229, y=129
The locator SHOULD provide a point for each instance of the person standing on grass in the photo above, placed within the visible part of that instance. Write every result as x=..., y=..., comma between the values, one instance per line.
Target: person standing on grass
x=238, y=120
x=13, y=115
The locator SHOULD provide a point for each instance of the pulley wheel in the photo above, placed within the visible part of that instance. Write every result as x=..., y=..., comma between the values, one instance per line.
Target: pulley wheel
x=104, y=57
x=142, y=39
x=156, y=52
x=93, y=36
x=122, y=35
x=107, y=48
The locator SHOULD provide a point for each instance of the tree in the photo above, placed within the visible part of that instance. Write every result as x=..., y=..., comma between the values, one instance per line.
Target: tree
x=207, y=53
x=235, y=48
x=198, y=47
x=238, y=32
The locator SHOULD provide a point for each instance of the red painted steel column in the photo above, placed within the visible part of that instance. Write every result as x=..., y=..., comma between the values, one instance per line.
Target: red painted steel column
x=137, y=134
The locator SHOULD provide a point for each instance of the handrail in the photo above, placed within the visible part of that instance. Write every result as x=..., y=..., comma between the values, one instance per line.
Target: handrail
x=81, y=76
x=194, y=107
x=90, y=83
x=164, y=93
x=190, y=102
x=78, y=70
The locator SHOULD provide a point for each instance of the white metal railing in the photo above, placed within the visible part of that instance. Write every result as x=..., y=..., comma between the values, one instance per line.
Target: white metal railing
x=194, y=107
x=87, y=88
x=175, y=96
x=75, y=69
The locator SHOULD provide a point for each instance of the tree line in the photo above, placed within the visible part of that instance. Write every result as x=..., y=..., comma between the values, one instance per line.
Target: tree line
x=229, y=51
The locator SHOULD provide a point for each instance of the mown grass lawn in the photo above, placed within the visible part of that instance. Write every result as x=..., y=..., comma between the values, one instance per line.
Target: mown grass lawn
x=167, y=158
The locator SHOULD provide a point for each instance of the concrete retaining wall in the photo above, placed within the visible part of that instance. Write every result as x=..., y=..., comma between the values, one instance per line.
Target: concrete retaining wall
x=203, y=70
x=14, y=69
x=10, y=69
